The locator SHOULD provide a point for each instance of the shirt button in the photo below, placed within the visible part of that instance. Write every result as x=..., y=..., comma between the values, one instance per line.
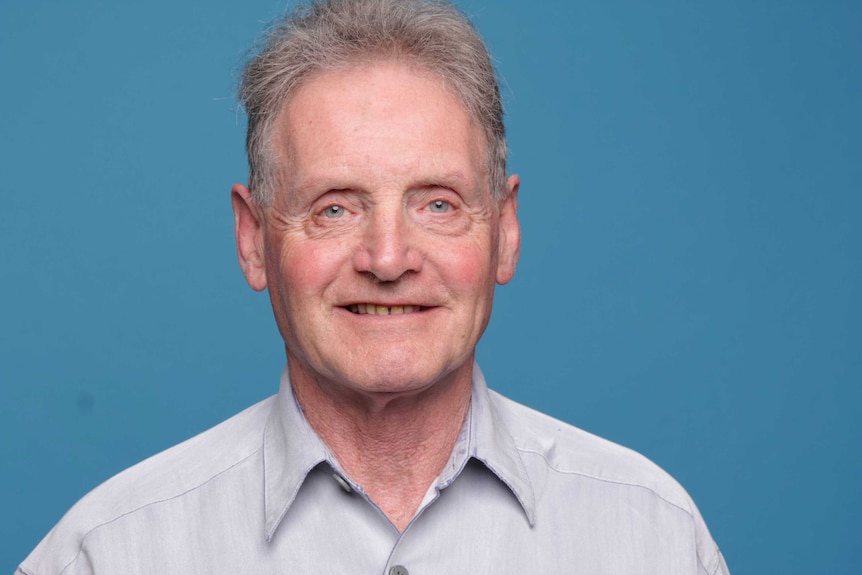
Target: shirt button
x=342, y=482
x=398, y=570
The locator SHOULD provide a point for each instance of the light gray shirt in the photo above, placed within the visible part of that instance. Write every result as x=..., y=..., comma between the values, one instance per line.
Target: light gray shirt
x=260, y=493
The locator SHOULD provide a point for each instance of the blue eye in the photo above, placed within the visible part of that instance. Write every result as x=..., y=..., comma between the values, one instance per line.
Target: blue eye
x=439, y=206
x=333, y=212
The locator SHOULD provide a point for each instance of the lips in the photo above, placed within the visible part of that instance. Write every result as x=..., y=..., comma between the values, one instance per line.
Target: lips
x=375, y=309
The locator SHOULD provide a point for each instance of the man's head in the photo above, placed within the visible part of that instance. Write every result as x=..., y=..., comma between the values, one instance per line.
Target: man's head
x=381, y=242
x=339, y=34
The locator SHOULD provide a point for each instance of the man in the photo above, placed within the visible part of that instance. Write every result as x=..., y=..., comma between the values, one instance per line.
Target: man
x=379, y=217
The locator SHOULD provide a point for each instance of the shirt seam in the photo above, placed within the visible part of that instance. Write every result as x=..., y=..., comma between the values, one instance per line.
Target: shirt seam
x=606, y=480
x=687, y=512
x=149, y=504
x=717, y=562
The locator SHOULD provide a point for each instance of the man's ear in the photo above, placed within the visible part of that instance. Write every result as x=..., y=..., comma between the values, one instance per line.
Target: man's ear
x=510, y=233
x=248, y=228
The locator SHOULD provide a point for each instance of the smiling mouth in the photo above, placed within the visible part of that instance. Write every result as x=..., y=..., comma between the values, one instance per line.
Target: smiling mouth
x=374, y=309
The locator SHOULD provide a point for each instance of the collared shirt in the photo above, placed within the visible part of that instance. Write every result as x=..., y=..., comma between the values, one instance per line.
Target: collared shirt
x=521, y=493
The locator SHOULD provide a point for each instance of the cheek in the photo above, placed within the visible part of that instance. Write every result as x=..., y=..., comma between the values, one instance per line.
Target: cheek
x=307, y=266
x=468, y=269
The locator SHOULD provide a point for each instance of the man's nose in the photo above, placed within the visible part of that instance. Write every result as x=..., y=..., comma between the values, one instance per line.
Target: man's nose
x=389, y=247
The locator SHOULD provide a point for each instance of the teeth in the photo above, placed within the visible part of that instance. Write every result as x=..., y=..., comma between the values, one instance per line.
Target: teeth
x=374, y=309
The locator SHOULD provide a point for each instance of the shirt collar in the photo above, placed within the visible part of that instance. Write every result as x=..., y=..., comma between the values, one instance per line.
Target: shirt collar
x=291, y=449
x=486, y=438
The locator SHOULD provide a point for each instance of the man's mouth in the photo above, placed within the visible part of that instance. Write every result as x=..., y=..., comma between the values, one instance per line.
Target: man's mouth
x=374, y=309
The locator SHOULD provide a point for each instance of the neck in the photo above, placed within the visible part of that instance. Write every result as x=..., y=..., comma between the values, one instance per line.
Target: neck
x=392, y=444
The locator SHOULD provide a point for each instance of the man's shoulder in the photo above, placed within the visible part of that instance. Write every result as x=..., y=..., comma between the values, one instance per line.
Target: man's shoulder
x=569, y=450
x=166, y=476
x=607, y=480
x=179, y=469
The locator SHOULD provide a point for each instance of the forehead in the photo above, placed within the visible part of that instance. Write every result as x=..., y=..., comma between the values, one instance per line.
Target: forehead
x=378, y=120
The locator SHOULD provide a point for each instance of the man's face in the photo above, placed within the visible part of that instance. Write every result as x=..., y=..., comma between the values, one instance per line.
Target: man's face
x=382, y=246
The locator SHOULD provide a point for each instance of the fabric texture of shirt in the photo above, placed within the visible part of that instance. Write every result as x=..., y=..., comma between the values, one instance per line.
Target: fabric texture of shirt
x=522, y=493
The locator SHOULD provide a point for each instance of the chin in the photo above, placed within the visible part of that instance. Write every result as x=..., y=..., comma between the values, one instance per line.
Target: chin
x=400, y=374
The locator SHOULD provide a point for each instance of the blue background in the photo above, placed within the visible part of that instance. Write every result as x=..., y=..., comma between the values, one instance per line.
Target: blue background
x=689, y=283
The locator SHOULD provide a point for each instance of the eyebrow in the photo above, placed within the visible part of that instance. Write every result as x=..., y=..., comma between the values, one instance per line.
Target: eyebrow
x=453, y=180
x=456, y=180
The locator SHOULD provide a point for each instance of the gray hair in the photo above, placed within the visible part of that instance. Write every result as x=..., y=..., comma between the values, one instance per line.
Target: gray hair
x=329, y=35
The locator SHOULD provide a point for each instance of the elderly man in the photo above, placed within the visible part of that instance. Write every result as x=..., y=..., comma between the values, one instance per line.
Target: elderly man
x=379, y=217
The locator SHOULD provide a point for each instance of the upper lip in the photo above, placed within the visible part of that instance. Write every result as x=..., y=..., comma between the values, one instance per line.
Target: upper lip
x=387, y=298
x=387, y=303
